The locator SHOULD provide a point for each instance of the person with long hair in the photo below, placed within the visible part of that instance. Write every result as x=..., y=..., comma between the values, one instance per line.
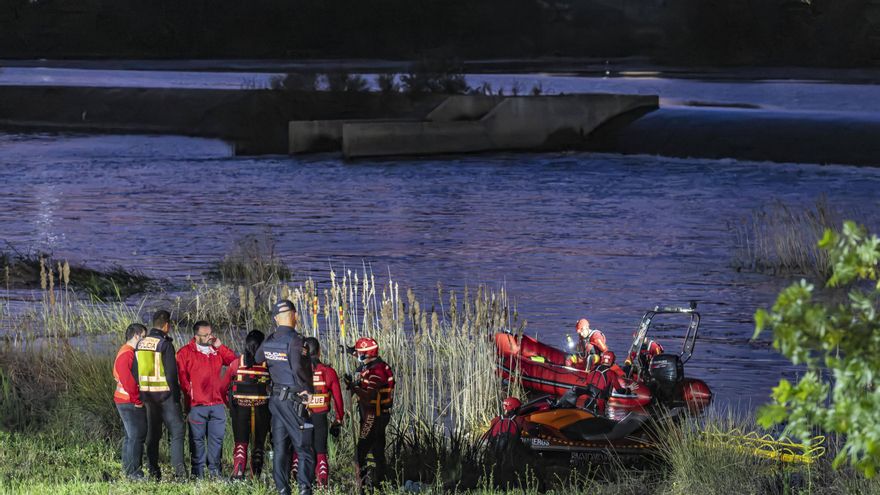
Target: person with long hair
x=249, y=407
x=326, y=383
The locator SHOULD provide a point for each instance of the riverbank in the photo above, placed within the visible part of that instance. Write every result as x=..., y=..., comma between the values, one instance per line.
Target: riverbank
x=255, y=120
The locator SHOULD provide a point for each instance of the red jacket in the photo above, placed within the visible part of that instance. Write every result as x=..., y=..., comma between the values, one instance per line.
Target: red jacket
x=124, y=370
x=374, y=387
x=200, y=374
x=326, y=383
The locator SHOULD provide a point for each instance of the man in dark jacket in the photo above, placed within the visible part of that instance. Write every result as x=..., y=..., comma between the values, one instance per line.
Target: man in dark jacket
x=291, y=392
x=160, y=392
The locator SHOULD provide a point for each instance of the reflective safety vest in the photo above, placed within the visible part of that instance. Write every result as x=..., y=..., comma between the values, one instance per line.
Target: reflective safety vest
x=377, y=386
x=323, y=380
x=151, y=370
x=250, y=387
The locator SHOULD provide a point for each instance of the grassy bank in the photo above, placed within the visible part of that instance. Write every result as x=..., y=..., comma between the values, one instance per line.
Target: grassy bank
x=59, y=430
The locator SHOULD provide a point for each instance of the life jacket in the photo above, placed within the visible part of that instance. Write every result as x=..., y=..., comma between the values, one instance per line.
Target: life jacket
x=275, y=348
x=604, y=380
x=503, y=433
x=588, y=349
x=250, y=386
x=120, y=394
x=152, y=382
x=321, y=380
x=377, y=385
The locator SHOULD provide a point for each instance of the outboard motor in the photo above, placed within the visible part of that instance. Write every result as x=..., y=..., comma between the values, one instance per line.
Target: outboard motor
x=666, y=370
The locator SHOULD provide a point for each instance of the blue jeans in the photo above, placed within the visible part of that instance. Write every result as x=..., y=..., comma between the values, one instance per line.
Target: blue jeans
x=210, y=422
x=134, y=419
x=167, y=412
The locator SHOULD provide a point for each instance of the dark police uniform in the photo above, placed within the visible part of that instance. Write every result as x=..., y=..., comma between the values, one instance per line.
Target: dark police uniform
x=282, y=353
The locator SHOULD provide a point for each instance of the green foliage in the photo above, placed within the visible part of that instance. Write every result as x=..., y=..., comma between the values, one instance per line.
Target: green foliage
x=842, y=338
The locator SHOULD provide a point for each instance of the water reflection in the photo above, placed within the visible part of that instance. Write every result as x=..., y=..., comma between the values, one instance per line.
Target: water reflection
x=570, y=235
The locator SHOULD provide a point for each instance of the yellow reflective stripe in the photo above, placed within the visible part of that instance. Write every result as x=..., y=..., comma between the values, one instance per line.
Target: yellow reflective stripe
x=250, y=372
x=156, y=388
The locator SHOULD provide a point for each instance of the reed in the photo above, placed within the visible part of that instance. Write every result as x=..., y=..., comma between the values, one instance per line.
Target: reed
x=780, y=239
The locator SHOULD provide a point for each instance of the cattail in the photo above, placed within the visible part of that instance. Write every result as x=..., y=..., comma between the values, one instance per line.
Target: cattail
x=252, y=301
x=66, y=273
x=51, y=288
x=285, y=291
x=42, y=273
x=242, y=297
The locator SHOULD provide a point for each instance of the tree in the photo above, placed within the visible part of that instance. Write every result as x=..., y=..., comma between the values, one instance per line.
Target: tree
x=844, y=339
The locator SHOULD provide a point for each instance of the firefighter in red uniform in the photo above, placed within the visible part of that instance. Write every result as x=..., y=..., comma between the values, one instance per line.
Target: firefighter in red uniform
x=591, y=343
x=606, y=378
x=248, y=385
x=646, y=352
x=326, y=384
x=373, y=384
x=504, y=431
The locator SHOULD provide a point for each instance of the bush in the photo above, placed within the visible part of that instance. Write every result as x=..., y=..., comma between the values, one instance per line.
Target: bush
x=435, y=76
x=841, y=342
x=294, y=81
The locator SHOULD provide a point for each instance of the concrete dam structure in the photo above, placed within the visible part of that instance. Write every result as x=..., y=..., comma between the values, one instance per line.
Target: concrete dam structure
x=472, y=123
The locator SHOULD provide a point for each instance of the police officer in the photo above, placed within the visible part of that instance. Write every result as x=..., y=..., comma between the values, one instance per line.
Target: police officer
x=291, y=392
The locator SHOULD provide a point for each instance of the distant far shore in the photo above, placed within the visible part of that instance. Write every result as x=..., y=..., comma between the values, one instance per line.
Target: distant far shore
x=626, y=67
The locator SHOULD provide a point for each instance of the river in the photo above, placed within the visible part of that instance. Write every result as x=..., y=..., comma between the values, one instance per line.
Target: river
x=569, y=235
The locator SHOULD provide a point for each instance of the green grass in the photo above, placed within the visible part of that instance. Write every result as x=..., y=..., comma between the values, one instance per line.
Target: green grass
x=60, y=433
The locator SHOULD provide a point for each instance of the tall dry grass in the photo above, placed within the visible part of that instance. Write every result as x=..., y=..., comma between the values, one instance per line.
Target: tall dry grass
x=781, y=239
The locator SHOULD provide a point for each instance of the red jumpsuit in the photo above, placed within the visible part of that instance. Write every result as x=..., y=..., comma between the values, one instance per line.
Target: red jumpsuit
x=326, y=384
x=593, y=344
x=647, y=351
x=374, y=387
x=606, y=379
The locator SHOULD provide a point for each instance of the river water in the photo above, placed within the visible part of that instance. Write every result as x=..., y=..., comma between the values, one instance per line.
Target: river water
x=569, y=235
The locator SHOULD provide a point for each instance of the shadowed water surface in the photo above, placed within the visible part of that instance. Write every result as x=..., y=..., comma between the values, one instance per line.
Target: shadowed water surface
x=569, y=235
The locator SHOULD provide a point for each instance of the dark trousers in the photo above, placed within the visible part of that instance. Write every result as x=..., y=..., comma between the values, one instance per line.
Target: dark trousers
x=290, y=429
x=207, y=424
x=246, y=417
x=134, y=420
x=321, y=431
x=167, y=412
x=371, y=440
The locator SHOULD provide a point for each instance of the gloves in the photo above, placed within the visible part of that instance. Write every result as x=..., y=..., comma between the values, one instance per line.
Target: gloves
x=334, y=429
x=345, y=349
x=346, y=378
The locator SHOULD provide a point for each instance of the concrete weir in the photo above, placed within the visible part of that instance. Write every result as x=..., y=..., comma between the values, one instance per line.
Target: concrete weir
x=465, y=124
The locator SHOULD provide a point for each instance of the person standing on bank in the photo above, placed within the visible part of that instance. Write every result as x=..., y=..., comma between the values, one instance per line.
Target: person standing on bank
x=326, y=384
x=248, y=386
x=200, y=364
x=160, y=392
x=291, y=392
x=128, y=403
x=373, y=384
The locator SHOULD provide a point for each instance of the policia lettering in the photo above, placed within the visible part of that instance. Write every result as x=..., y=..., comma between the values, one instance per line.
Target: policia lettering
x=373, y=385
x=152, y=381
x=291, y=390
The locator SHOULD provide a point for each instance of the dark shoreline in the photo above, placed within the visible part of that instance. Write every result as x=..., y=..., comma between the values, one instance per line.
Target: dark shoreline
x=628, y=67
x=256, y=122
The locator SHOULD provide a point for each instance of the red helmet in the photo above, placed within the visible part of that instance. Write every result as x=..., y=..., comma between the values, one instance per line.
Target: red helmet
x=510, y=404
x=582, y=324
x=367, y=347
x=607, y=358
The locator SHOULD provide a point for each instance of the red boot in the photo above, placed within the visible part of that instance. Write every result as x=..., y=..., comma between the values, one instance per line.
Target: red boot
x=294, y=466
x=322, y=470
x=239, y=460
